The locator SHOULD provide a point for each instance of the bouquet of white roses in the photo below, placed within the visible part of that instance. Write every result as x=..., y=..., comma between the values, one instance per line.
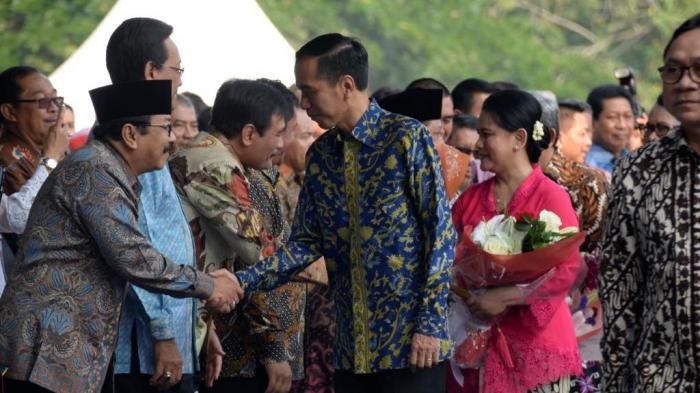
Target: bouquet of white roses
x=504, y=250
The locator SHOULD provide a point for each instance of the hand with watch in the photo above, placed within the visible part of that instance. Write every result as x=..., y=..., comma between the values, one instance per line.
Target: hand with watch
x=56, y=144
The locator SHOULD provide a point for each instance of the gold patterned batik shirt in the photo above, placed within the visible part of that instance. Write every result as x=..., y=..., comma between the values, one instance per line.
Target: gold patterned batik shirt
x=373, y=204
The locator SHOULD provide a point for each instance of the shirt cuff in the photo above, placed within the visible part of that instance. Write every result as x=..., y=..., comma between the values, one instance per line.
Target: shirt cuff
x=203, y=286
x=243, y=279
x=161, y=328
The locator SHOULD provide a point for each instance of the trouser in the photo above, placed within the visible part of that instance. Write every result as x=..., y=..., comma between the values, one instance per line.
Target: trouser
x=257, y=384
x=15, y=386
x=138, y=383
x=426, y=380
x=135, y=382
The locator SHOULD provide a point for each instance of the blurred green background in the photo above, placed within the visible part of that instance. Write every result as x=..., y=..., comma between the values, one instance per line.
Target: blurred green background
x=565, y=46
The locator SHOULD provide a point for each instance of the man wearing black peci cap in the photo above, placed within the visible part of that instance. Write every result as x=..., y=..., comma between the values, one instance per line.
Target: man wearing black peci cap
x=82, y=244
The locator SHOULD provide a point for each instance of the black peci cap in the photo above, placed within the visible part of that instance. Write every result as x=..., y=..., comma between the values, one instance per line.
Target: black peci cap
x=420, y=104
x=122, y=100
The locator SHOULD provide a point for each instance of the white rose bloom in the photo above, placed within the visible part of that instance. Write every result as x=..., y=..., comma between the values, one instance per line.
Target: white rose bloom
x=551, y=220
x=479, y=234
x=496, y=245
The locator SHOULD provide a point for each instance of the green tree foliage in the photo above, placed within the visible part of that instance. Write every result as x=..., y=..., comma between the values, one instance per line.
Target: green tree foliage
x=560, y=45
x=43, y=33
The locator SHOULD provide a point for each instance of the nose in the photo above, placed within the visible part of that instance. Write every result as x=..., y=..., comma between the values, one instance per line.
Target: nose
x=305, y=103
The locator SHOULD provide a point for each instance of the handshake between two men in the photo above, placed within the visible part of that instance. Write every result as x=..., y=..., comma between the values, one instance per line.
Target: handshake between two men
x=227, y=292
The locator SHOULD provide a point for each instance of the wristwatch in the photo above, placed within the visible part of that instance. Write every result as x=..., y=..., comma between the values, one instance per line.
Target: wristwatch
x=49, y=163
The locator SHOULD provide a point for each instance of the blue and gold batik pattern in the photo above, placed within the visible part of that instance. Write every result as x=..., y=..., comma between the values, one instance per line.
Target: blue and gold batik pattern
x=373, y=204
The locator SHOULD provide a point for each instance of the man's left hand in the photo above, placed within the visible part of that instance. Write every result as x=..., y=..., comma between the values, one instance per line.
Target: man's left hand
x=168, y=371
x=425, y=351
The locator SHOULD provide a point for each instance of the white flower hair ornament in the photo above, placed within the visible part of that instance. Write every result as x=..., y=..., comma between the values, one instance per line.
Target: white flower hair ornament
x=538, y=131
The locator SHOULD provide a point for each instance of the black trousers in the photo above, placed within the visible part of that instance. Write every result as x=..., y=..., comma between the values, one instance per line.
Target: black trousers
x=426, y=380
x=15, y=386
x=257, y=384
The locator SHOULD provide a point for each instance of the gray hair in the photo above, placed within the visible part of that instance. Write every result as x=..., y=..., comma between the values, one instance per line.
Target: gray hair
x=550, y=108
x=184, y=101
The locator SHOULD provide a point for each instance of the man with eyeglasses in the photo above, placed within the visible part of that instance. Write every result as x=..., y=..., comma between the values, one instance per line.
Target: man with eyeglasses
x=156, y=345
x=661, y=122
x=31, y=144
x=651, y=246
x=30, y=111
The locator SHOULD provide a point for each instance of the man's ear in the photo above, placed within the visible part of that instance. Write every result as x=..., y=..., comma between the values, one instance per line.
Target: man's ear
x=247, y=134
x=149, y=70
x=8, y=111
x=130, y=136
x=347, y=85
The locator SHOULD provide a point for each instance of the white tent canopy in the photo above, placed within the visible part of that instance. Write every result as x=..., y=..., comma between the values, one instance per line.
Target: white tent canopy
x=217, y=40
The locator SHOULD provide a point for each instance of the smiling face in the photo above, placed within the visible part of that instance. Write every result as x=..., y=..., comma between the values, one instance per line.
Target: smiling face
x=497, y=147
x=682, y=99
x=28, y=119
x=261, y=150
x=614, y=125
x=155, y=145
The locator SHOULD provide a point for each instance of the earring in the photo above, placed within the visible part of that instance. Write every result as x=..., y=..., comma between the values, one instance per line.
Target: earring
x=516, y=147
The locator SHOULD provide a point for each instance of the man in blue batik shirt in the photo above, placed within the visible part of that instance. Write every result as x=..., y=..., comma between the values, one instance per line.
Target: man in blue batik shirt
x=373, y=204
x=156, y=345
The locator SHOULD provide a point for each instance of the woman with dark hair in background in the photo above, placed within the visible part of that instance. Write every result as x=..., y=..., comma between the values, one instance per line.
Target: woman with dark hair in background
x=537, y=350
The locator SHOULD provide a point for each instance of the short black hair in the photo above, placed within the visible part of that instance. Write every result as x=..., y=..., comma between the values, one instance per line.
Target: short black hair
x=338, y=55
x=465, y=121
x=690, y=24
x=284, y=90
x=429, y=83
x=10, y=90
x=113, y=129
x=515, y=109
x=241, y=101
x=504, y=85
x=574, y=105
x=133, y=44
x=463, y=93
x=384, y=91
x=605, y=92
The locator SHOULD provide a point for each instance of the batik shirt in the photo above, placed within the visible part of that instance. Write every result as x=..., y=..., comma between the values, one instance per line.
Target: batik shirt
x=60, y=309
x=230, y=233
x=155, y=316
x=262, y=193
x=373, y=204
x=649, y=274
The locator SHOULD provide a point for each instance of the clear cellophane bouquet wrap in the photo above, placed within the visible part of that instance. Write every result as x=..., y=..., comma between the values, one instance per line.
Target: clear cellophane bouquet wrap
x=505, y=250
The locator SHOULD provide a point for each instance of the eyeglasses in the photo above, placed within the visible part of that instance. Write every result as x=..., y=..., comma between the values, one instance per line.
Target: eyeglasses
x=659, y=129
x=179, y=71
x=466, y=150
x=671, y=73
x=44, y=103
x=166, y=127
